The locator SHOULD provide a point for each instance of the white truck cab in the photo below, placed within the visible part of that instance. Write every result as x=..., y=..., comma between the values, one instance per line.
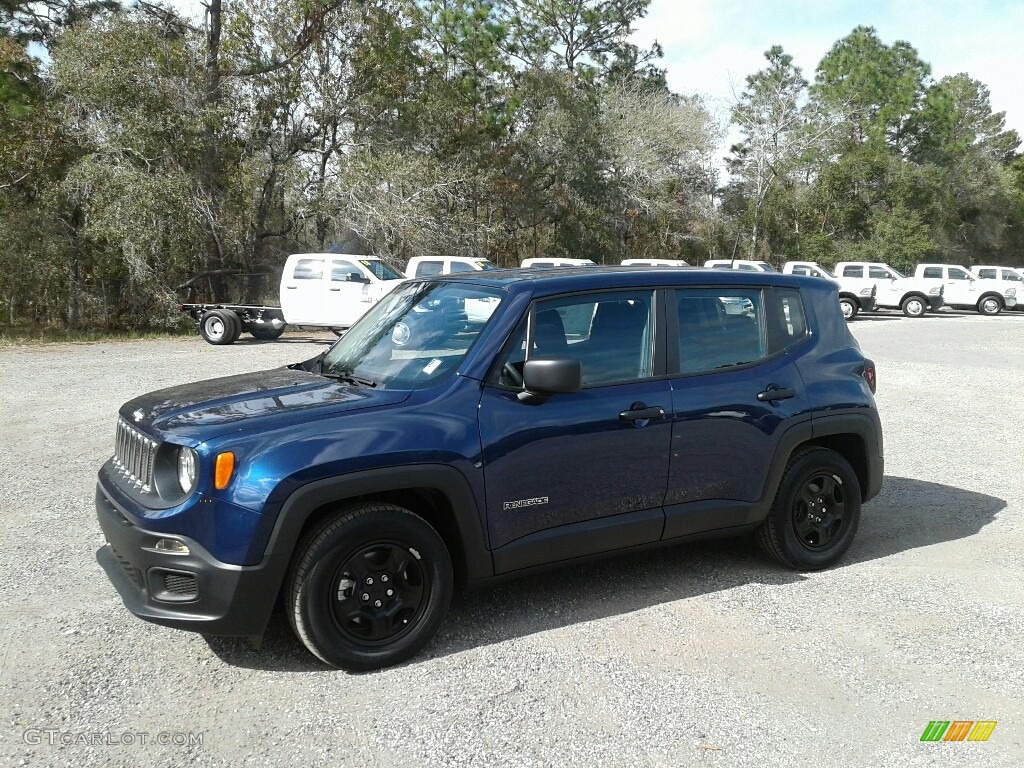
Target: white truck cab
x=332, y=290
x=894, y=290
x=543, y=262
x=425, y=266
x=853, y=296
x=746, y=265
x=1013, y=278
x=962, y=290
x=654, y=263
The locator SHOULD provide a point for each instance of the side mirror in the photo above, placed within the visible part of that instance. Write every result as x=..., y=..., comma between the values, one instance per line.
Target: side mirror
x=355, y=277
x=545, y=376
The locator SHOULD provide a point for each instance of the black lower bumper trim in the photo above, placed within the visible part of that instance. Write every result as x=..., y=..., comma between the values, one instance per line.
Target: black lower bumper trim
x=221, y=599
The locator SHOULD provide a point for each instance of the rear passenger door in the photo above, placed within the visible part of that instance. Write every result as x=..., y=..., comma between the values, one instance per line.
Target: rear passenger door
x=302, y=291
x=585, y=472
x=735, y=391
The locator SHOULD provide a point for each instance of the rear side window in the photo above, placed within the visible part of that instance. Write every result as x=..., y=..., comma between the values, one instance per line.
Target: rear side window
x=720, y=328
x=987, y=273
x=853, y=271
x=427, y=268
x=933, y=272
x=801, y=270
x=786, y=320
x=308, y=269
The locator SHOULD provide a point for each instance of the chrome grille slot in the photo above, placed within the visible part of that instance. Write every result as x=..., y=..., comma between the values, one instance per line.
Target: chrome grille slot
x=134, y=456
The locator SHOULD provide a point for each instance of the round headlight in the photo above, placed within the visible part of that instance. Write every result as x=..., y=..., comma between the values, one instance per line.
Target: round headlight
x=188, y=466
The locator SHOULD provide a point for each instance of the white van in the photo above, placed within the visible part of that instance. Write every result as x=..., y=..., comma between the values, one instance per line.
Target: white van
x=654, y=263
x=426, y=266
x=542, y=262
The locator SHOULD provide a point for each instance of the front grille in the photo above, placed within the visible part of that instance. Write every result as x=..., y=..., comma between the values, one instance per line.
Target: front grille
x=134, y=455
x=180, y=584
x=134, y=574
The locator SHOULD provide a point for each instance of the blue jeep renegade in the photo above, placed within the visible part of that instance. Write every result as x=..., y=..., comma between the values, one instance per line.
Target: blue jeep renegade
x=487, y=424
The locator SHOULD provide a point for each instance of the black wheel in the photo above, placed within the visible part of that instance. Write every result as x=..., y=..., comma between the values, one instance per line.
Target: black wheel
x=265, y=331
x=990, y=305
x=369, y=587
x=816, y=511
x=914, y=306
x=220, y=326
x=849, y=306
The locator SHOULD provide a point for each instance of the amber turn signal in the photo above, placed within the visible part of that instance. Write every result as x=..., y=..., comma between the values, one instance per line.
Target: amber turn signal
x=222, y=470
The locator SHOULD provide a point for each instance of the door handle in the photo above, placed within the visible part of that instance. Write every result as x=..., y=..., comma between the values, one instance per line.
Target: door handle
x=775, y=393
x=335, y=289
x=291, y=287
x=640, y=412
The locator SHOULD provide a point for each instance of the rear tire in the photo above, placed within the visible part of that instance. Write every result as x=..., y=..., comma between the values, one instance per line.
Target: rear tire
x=266, y=332
x=914, y=306
x=816, y=511
x=850, y=308
x=990, y=305
x=220, y=326
x=369, y=587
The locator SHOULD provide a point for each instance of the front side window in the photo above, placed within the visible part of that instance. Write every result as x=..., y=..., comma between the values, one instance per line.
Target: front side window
x=461, y=266
x=341, y=270
x=1011, y=275
x=380, y=270
x=720, y=328
x=611, y=334
x=308, y=269
x=879, y=273
x=958, y=274
x=416, y=336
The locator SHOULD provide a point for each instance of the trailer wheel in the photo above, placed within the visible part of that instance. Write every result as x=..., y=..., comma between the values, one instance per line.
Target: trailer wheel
x=220, y=326
x=265, y=332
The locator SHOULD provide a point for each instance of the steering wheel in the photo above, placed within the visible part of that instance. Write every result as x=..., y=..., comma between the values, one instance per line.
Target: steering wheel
x=511, y=374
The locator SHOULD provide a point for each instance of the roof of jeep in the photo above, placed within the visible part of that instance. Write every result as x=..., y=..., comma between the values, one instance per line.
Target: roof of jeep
x=560, y=279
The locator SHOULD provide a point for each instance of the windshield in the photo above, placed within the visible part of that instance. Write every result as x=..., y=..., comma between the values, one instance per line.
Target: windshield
x=381, y=270
x=414, y=337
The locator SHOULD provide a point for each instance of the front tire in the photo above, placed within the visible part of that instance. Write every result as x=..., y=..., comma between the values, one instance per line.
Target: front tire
x=369, y=587
x=816, y=511
x=914, y=306
x=990, y=305
x=849, y=307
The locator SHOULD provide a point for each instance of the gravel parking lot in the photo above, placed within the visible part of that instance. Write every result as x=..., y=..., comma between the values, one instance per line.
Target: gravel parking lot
x=703, y=654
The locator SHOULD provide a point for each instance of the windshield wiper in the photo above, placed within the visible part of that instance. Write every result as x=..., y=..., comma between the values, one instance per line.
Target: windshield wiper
x=348, y=378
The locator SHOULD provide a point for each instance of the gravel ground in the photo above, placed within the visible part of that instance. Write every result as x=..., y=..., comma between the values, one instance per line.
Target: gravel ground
x=704, y=654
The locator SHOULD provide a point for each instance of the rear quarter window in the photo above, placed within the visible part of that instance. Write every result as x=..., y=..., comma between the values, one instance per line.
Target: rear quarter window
x=786, y=320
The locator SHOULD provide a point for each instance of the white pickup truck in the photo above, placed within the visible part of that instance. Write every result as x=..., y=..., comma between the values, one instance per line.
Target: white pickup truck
x=320, y=290
x=854, y=297
x=962, y=290
x=1014, y=278
x=913, y=296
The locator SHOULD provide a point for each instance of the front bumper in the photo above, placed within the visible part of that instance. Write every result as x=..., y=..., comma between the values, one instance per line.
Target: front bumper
x=194, y=591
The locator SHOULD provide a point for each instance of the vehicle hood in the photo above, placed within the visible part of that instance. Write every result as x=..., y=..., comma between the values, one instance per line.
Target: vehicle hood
x=205, y=409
